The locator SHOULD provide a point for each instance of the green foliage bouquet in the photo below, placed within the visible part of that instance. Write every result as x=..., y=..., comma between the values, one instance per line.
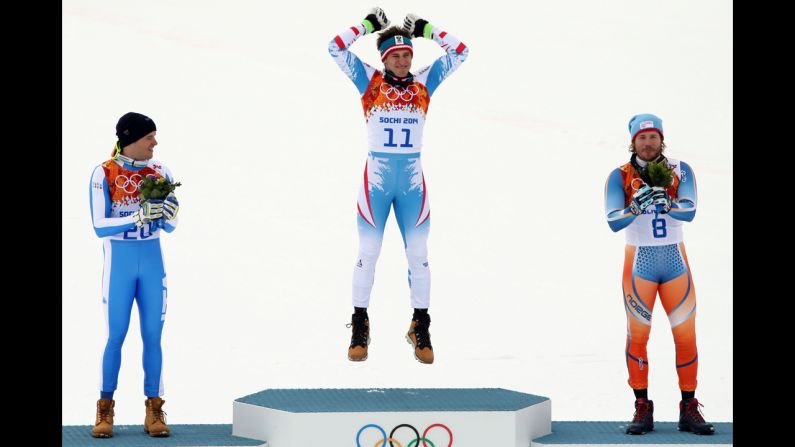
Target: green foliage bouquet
x=156, y=188
x=660, y=174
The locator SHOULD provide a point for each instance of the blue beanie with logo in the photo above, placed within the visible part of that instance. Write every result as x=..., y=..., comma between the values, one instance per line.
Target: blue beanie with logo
x=643, y=123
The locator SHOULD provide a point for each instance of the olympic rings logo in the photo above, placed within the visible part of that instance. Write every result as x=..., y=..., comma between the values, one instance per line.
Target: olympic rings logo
x=414, y=442
x=133, y=182
x=393, y=93
x=636, y=183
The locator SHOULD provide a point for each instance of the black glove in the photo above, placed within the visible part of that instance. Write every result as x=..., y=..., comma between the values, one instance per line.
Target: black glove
x=414, y=25
x=377, y=19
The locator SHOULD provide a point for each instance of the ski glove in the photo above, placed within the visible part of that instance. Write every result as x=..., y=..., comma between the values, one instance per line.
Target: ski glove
x=416, y=26
x=375, y=20
x=170, y=206
x=150, y=210
x=661, y=199
x=641, y=200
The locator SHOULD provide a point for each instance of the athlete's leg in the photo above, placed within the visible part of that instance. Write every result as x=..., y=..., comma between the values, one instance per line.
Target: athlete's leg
x=678, y=297
x=413, y=215
x=373, y=204
x=152, y=302
x=118, y=290
x=640, y=292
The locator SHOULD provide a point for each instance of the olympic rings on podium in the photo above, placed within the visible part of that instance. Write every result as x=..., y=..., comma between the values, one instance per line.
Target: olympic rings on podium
x=393, y=442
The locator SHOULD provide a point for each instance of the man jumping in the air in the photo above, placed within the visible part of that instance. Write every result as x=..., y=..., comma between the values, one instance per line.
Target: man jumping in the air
x=395, y=102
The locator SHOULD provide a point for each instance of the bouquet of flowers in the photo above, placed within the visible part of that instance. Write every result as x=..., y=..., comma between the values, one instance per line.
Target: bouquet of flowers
x=153, y=188
x=660, y=174
x=156, y=188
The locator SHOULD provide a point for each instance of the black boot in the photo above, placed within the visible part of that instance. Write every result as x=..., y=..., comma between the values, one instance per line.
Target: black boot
x=690, y=418
x=419, y=337
x=360, y=337
x=643, y=421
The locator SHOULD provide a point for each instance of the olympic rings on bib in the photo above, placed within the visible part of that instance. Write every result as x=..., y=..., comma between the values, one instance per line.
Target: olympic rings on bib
x=415, y=442
x=637, y=183
x=392, y=93
x=128, y=184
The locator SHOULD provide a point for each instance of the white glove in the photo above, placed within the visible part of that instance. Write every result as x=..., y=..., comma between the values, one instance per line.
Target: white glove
x=149, y=210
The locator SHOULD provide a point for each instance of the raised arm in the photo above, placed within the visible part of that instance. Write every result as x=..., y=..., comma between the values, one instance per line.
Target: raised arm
x=350, y=64
x=455, y=51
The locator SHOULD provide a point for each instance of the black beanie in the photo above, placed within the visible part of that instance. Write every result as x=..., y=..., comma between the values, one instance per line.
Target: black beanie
x=132, y=127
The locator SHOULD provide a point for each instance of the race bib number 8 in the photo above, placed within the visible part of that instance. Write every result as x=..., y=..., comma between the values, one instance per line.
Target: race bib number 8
x=658, y=228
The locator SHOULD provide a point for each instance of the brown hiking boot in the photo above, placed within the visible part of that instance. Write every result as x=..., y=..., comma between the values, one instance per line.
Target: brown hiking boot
x=155, y=422
x=360, y=337
x=420, y=338
x=103, y=427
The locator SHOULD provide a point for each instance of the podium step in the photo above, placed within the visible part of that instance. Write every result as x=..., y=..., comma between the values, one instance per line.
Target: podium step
x=602, y=433
x=564, y=434
x=471, y=417
x=182, y=435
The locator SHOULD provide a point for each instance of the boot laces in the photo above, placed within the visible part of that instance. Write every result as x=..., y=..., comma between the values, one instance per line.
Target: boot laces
x=421, y=326
x=157, y=413
x=694, y=411
x=103, y=414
